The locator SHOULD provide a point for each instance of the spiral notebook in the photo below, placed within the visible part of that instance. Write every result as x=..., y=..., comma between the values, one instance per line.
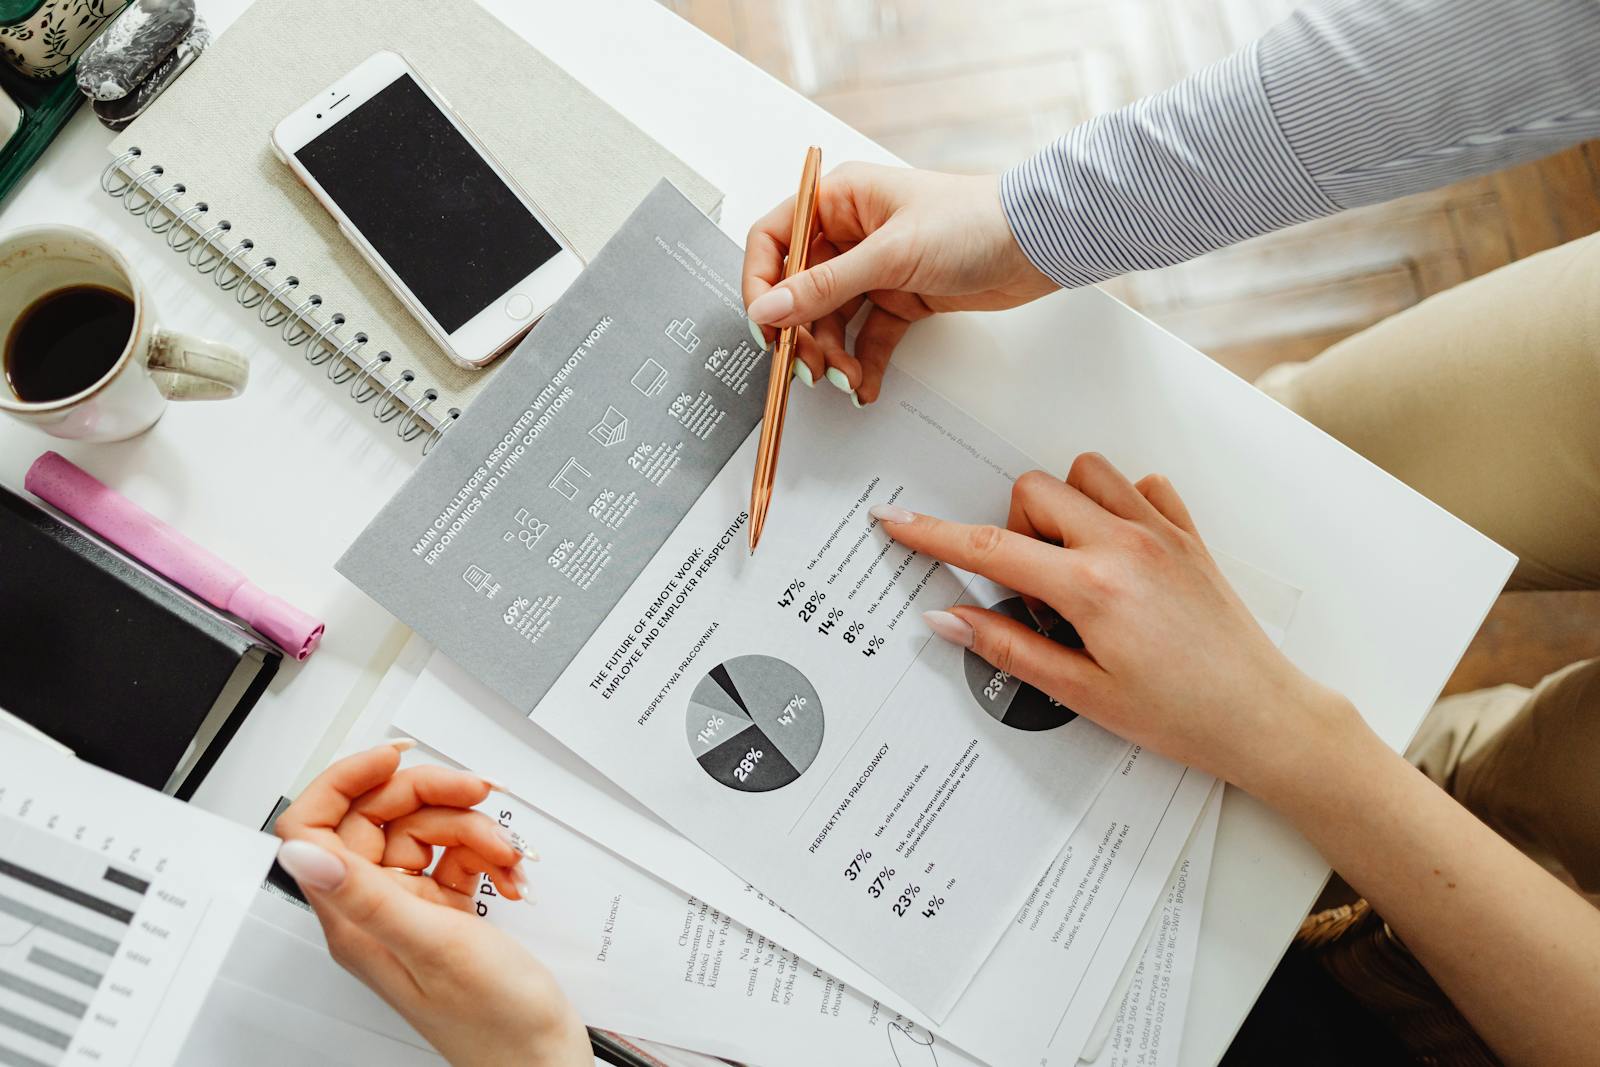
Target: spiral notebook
x=198, y=168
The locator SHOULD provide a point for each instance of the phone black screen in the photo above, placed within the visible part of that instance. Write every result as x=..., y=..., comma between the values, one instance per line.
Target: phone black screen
x=417, y=190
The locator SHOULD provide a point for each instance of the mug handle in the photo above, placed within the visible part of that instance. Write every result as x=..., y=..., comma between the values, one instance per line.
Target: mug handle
x=191, y=368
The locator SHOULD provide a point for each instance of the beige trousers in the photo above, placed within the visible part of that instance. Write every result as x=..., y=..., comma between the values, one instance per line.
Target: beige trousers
x=1486, y=399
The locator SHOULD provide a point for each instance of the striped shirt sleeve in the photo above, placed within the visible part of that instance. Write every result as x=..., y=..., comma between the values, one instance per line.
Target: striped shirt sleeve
x=1348, y=102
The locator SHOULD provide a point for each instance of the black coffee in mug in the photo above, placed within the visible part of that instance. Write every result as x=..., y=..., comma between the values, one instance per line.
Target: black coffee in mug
x=65, y=341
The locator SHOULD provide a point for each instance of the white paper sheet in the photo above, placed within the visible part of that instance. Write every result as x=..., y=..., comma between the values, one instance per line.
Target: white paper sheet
x=1146, y=1027
x=117, y=905
x=280, y=951
x=280, y=963
x=241, y=1026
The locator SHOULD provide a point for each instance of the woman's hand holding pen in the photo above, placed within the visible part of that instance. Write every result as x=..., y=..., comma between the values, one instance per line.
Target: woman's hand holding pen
x=911, y=242
x=1172, y=659
x=358, y=841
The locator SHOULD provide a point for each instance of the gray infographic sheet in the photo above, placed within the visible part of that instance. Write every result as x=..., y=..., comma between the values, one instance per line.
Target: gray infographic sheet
x=516, y=537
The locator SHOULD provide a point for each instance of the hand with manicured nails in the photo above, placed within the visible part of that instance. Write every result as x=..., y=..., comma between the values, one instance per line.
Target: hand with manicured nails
x=911, y=242
x=1172, y=659
x=357, y=841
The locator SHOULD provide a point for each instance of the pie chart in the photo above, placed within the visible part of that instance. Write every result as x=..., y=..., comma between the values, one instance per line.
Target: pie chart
x=1019, y=706
x=754, y=723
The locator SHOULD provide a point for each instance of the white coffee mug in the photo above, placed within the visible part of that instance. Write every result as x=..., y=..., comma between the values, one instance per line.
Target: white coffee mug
x=156, y=365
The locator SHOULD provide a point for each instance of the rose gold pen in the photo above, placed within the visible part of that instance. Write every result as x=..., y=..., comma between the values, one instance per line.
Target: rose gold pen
x=801, y=232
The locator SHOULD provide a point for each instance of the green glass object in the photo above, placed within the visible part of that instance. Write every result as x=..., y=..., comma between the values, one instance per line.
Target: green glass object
x=17, y=10
x=46, y=107
x=39, y=44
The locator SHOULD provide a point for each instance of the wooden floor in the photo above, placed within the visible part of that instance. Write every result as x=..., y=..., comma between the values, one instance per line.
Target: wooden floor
x=973, y=87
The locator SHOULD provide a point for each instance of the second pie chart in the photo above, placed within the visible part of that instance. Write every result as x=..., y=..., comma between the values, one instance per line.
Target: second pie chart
x=1006, y=698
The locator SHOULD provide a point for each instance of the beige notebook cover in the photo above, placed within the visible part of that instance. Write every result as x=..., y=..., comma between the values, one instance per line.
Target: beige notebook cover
x=586, y=165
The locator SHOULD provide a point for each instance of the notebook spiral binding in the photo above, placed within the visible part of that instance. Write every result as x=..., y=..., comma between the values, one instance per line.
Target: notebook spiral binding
x=210, y=250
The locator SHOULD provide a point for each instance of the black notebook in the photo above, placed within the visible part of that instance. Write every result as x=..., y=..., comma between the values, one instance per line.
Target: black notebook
x=113, y=661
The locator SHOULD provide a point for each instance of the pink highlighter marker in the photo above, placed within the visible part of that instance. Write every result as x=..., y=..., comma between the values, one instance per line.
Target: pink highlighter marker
x=58, y=481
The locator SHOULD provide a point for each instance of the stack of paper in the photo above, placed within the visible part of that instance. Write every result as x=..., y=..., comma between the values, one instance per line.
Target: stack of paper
x=781, y=822
x=940, y=841
x=1082, y=928
x=642, y=956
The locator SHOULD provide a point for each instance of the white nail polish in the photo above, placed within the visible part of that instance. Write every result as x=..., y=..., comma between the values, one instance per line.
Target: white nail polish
x=312, y=866
x=520, y=880
x=517, y=843
x=950, y=626
x=890, y=513
x=770, y=306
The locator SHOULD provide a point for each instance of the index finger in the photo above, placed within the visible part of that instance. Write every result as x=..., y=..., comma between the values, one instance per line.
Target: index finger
x=764, y=250
x=1018, y=562
x=325, y=802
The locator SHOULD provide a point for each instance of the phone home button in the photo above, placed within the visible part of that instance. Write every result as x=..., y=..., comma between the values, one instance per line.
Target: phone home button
x=518, y=306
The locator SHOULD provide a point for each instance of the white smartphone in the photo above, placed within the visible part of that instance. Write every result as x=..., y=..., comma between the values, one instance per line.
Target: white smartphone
x=466, y=250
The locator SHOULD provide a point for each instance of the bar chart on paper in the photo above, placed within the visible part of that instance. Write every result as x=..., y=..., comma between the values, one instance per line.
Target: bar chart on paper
x=89, y=941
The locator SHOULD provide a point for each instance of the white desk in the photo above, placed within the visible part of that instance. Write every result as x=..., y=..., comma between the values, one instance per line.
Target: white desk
x=281, y=480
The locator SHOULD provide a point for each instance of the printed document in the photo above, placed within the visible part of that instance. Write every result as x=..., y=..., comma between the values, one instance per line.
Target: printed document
x=117, y=905
x=578, y=543
x=1146, y=1029
x=1057, y=965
